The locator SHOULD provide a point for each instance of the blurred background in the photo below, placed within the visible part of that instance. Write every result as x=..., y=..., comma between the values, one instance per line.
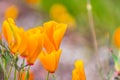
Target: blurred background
x=91, y=24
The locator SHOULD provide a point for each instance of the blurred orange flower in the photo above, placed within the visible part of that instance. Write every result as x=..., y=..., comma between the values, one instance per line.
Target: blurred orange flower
x=78, y=73
x=59, y=13
x=12, y=12
x=116, y=37
x=54, y=33
x=32, y=1
x=22, y=75
x=50, y=61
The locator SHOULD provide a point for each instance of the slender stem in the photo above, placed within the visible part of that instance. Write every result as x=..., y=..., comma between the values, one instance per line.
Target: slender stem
x=3, y=65
x=21, y=69
x=20, y=74
x=110, y=74
x=15, y=74
x=47, y=77
x=91, y=25
x=92, y=29
x=9, y=72
x=3, y=68
x=23, y=62
x=27, y=74
x=54, y=77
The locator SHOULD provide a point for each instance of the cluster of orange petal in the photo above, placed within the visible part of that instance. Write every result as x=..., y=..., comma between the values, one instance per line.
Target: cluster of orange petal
x=40, y=42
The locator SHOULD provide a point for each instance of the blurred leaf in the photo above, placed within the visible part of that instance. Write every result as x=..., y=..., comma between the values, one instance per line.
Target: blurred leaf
x=115, y=58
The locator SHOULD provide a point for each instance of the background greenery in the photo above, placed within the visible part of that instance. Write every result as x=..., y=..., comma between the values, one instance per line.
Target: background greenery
x=105, y=14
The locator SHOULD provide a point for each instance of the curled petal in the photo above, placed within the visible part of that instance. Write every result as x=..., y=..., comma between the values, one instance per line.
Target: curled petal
x=50, y=61
x=48, y=44
x=34, y=48
x=58, y=34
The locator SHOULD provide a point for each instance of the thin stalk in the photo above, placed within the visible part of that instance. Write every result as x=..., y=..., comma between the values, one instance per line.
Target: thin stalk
x=54, y=77
x=5, y=76
x=91, y=25
x=21, y=70
x=23, y=63
x=15, y=74
x=47, y=77
x=92, y=29
x=9, y=73
x=20, y=75
x=110, y=74
x=27, y=74
x=22, y=67
x=3, y=65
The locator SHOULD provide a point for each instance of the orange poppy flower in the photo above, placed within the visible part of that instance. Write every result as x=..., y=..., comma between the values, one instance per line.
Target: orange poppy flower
x=116, y=37
x=34, y=45
x=27, y=43
x=11, y=34
x=54, y=33
x=50, y=61
x=78, y=73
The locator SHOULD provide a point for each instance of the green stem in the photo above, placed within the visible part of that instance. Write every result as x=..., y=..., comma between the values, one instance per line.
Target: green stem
x=3, y=65
x=23, y=62
x=4, y=70
x=92, y=29
x=27, y=74
x=47, y=77
x=22, y=67
x=54, y=77
x=9, y=72
x=110, y=74
x=20, y=75
x=15, y=74
x=21, y=70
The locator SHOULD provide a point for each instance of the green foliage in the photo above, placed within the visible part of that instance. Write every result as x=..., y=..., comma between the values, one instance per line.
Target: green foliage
x=105, y=12
x=115, y=58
